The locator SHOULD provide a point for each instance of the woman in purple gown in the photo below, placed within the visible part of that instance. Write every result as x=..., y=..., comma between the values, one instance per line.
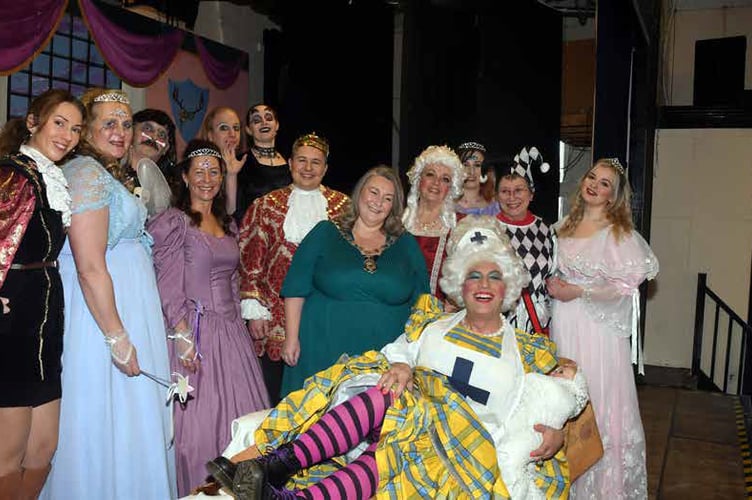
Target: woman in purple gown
x=196, y=258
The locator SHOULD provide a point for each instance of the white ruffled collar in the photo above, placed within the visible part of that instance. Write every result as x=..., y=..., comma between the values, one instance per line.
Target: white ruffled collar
x=305, y=209
x=55, y=184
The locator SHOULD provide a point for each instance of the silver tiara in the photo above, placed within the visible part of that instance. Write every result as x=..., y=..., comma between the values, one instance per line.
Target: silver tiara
x=204, y=152
x=472, y=145
x=614, y=162
x=112, y=97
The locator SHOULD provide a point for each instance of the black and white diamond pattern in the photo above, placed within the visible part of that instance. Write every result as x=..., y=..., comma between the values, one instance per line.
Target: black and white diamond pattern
x=534, y=245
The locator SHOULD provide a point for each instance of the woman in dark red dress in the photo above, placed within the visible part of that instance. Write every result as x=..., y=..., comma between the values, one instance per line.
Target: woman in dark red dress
x=436, y=179
x=34, y=213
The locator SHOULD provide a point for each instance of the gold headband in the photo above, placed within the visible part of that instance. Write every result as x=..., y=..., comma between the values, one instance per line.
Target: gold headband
x=314, y=141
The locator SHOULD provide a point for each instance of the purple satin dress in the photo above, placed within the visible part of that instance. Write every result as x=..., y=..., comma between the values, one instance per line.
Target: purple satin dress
x=197, y=276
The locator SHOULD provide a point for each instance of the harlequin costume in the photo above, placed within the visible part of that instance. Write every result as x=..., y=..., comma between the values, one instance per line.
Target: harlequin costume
x=270, y=233
x=533, y=240
x=32, y=233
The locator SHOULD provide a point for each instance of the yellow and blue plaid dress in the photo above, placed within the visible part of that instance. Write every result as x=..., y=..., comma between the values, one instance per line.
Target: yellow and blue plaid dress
x=432, y=444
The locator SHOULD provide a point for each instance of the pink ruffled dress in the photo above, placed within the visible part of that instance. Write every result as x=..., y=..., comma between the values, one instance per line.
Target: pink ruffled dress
x=595, y=331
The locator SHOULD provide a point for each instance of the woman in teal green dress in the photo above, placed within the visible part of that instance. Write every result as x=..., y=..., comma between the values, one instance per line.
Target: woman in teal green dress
x=352, y=282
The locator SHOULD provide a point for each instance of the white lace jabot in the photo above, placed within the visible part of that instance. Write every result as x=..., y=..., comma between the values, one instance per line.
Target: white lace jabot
x=305, y=209
x=54, y=180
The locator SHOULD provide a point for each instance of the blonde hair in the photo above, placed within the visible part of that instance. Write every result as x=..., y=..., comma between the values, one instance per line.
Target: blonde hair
x=619, y=211
x=115, y=166
x=208, y=123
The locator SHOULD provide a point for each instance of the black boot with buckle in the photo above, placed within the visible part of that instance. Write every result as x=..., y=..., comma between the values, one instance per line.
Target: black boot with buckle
x=246, y=480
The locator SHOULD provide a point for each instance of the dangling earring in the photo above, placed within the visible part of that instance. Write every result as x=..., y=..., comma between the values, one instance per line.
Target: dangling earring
x=483, y=178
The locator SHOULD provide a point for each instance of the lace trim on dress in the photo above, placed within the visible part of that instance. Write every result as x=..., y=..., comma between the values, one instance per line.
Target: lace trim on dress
x=305, y=209
x=252, y=309
x=54, y=181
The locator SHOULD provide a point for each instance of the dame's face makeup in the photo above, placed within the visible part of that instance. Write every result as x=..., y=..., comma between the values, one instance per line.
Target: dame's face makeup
x=483, y=289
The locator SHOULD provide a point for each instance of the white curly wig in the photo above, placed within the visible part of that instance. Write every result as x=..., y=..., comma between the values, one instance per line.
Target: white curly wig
x=442, y=155
x=482, y=239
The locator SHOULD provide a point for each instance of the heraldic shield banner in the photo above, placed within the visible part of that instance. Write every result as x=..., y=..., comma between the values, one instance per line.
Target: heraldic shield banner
x=188, y=102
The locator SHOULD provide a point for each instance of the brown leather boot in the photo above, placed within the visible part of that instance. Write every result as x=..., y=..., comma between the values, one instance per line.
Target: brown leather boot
x=32, y=483
x=10, y=485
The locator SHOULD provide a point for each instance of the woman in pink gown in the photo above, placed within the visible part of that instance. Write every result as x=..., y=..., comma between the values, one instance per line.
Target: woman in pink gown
x=601, y=263
x=196, y=258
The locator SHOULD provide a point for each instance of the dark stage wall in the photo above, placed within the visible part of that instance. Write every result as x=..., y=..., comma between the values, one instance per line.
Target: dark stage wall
x=330, y=70
x=485, y=71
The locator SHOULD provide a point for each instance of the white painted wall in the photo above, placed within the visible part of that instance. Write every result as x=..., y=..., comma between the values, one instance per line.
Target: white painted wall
x=701, y=222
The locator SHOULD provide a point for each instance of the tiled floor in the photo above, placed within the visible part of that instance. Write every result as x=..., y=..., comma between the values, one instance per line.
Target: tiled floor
x=692, y=444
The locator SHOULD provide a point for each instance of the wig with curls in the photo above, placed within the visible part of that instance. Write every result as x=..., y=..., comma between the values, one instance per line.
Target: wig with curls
x=443, y=155
x=619, y=211
x=393, y=226
x=467, y=247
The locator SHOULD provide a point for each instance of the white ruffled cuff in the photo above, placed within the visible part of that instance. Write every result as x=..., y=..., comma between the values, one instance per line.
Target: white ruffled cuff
x=252, y=309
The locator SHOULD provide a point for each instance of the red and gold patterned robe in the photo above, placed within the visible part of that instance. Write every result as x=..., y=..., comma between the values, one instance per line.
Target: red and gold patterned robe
x=17, y=203
x=265, y=256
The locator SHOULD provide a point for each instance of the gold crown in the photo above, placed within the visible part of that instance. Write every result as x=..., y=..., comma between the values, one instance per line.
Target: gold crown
x=314, y=141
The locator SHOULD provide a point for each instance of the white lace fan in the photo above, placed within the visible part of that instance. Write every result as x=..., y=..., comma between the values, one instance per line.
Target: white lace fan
x=155, y=192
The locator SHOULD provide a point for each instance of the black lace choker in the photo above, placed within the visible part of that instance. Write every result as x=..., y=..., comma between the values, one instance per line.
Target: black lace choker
x=264, y=152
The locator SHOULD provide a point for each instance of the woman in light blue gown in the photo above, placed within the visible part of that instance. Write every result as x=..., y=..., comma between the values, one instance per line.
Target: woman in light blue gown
x=115, y=428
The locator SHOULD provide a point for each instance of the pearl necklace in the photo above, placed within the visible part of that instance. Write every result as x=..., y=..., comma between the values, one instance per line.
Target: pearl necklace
x=466, y=325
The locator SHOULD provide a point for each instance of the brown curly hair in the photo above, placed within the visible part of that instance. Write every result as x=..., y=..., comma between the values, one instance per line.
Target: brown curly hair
x=619, y=211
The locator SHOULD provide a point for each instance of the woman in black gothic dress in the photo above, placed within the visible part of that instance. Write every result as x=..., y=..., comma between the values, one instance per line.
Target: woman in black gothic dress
x=34, y=212
x=265, y=168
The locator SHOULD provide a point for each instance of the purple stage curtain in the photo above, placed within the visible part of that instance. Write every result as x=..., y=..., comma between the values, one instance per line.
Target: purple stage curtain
x=137, y=59
x=25, y=28
x=220, y=73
